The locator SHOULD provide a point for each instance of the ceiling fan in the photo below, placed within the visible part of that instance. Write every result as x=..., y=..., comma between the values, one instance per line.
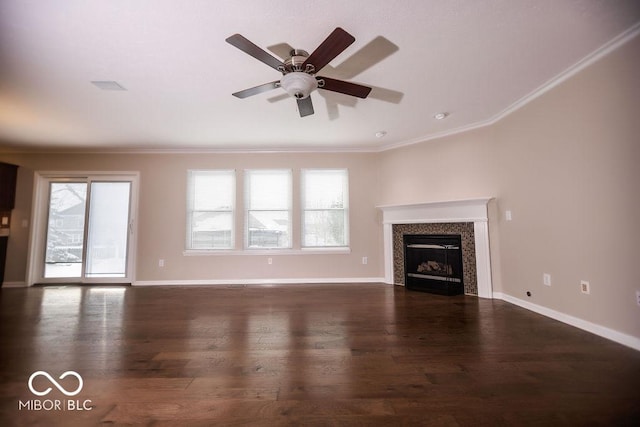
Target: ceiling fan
x=299, y=70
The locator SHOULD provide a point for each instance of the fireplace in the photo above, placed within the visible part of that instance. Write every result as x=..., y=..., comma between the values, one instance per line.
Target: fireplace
x=433, y=263
x=472, y=212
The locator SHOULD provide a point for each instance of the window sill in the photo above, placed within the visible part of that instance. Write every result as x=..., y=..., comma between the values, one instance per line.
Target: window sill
x=270, y=252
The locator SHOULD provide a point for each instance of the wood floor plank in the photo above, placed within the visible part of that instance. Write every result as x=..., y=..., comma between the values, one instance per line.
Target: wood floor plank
x=313, y=355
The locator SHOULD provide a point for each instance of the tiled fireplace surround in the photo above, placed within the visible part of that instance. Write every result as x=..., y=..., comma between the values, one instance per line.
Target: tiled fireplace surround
x=469, y=218
x=464, y=229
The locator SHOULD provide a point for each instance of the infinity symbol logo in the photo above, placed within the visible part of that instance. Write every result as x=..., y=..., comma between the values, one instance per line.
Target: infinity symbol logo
x=55, y=383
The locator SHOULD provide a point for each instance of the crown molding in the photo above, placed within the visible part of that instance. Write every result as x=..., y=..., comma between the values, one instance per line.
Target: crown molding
x=571, y=71
x=574, y=69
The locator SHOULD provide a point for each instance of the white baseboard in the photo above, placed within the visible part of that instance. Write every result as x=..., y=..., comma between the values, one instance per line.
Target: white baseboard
x=222, y=282
x=603, y=331
x=14, y=284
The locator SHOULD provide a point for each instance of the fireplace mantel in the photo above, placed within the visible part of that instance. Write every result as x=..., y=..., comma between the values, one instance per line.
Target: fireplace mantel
x=468, y=210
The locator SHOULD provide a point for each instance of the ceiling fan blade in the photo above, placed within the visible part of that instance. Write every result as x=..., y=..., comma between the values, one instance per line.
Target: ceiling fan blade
x=347, y=88
x=305, y=106
x=331, y=47
x=256, y=90
x=249, y=48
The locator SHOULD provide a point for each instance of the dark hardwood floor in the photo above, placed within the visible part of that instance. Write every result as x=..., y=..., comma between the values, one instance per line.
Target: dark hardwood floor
x=366, y=354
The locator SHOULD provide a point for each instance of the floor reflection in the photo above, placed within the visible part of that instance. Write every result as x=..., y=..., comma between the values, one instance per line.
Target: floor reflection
x=56, y=330
x=303, y=355
x=75, y=320
x=104, y=323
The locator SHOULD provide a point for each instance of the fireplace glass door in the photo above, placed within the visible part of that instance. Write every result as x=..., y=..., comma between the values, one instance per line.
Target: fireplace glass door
x=433, y=263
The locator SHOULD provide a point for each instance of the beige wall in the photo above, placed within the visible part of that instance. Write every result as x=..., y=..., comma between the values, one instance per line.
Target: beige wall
x=568, y=167
x=162, y=215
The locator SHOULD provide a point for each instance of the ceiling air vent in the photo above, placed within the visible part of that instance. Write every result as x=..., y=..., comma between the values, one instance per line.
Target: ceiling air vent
x=107, y=85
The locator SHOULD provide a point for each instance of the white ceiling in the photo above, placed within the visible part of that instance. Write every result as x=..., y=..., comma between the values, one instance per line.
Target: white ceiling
x=473, y=59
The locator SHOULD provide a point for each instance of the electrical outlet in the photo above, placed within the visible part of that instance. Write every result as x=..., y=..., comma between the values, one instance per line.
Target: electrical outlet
x=269, y=260
x=584, y=287
x=364, y=260
x=160, y=263
x=638, y=297
x=546, y=279
x=508, y=215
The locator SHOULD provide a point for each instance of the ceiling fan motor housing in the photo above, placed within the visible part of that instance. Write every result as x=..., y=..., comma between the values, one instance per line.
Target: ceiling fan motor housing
x=295, y=61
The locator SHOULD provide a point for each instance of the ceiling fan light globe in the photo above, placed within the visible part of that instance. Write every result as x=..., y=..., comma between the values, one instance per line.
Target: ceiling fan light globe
x=298, y=84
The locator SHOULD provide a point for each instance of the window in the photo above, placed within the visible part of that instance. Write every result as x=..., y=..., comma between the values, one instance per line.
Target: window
x=210, y=209
x=325, y=214
x=268, y=208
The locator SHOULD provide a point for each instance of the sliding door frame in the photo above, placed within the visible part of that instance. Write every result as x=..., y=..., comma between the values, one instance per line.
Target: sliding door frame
x=39, y=219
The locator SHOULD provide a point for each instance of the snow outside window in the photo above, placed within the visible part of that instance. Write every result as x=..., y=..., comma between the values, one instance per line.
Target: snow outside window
x=210, y=209
x=268, y=208
x=325, y=208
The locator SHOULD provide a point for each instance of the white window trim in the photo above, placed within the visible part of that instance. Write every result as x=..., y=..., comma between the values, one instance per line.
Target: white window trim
x=294, y=249
x=257, y=250
x=190, y=210
x=332, y=250
x=303, y=210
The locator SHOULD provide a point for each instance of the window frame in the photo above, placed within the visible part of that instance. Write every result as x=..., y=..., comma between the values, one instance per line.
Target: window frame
x=304, y=209
x=191, y=208
x=248, y=208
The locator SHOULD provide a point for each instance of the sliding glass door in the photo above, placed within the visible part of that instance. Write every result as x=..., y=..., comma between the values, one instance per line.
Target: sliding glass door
x=108, y=229
x=87, y=227
x=65, y=230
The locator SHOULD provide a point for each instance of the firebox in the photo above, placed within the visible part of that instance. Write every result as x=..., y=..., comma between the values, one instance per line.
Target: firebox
x=433, y=263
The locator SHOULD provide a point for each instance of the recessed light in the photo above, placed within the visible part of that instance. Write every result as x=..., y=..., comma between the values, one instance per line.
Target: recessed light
x=381, y=134
x=440, y=116
x=107, y=85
